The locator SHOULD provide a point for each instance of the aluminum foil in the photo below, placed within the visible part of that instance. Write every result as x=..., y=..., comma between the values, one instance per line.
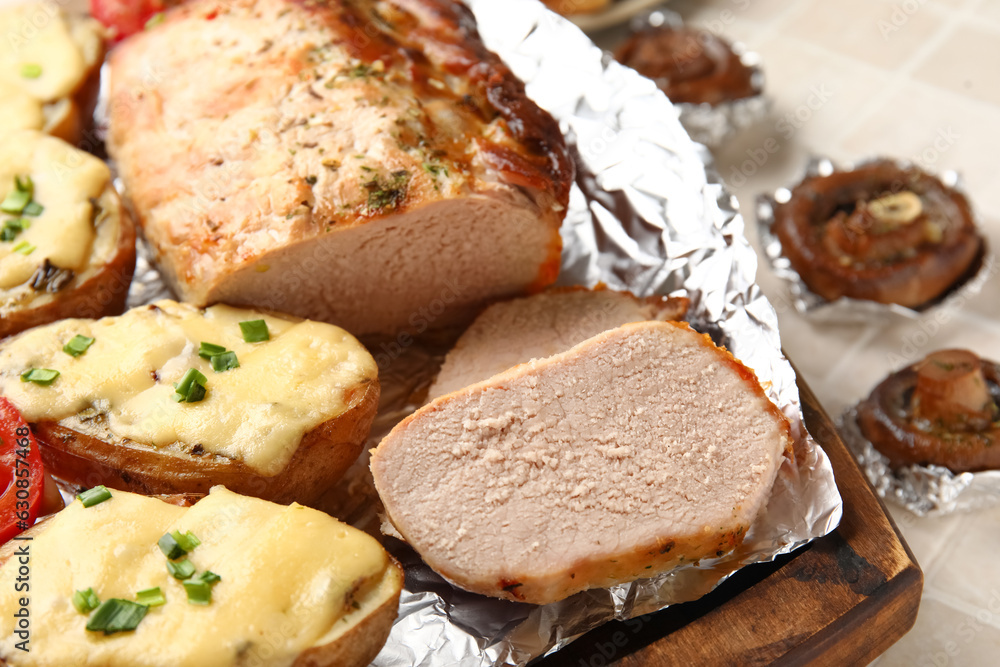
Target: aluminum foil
x=846, y=310
x=646, y=214
x=924, y=490
x=714, y=124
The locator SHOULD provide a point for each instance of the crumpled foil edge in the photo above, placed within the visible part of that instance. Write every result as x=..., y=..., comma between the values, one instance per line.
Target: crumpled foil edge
x=924, y=490
x=647, y=215
x=847, y=310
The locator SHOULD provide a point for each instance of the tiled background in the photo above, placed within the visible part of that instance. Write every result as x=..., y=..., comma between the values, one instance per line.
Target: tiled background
x=905, y=78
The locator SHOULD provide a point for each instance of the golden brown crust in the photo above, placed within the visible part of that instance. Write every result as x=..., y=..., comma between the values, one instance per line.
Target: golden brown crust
x=322, y=457
x=384, y=117
x=837, y=256
x=886, y=419
x=103, y=292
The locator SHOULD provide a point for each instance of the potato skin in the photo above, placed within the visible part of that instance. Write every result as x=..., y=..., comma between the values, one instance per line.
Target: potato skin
x=355, y=648
x=103, y=293
x=322, y=457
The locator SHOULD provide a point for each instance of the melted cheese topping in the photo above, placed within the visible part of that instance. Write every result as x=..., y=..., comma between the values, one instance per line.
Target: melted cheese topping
x=65, y=181
x=38, y=35
x=289, y=576
x=256, y=413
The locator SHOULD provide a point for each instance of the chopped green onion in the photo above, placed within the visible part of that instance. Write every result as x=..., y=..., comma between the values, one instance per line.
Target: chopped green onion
x=207, y=577
x=187, y=541
x=94, y=496
x=255, y=331
x=31, y=70
x=44, y=376
x=181, y=569
x=33, y=208
x=15, y=201
x=209, y=350
x=224, y=362
x=86, y=601
x=25, y=184
x=191, y=388
x=24, y=248
x=151, y=597
x=170, y=546
x=154, y=20
x=198, y=592
x=11, y=228
x=116, y=615
x=78, y=345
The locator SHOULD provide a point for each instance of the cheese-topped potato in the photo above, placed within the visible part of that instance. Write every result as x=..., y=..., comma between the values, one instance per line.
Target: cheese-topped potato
x=67, y=245
x=280, y=418
x=49, y=69
x=295, y=586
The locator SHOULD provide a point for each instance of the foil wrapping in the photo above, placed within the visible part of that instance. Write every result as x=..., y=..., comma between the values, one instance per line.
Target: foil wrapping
x=648, y=215
x=924, y=490
x=709, y=124
x=846, y=310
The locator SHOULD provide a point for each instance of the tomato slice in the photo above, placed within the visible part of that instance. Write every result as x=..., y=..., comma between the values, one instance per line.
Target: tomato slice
x=127, y=17
x=21, y=473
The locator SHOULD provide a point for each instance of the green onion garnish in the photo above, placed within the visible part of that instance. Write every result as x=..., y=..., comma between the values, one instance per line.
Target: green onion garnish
x=207, y=577
x=116, y=615
x=44, y=376
x=191, y=388
x=33, y=208
x=187, y=541
x=255, y=331
x=198, y=592
x=151, y=597
x=170, y=546
x=31, y=70
x=11, y=228
x=209, y=350
x=24, y=248
x=86, y=601
x=224, y=362
x=154, y=20
x=94, y=496
x=78, y=345
x=181, y=569
x=15, y=201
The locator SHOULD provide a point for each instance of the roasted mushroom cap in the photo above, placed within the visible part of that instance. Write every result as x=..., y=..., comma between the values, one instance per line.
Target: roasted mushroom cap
x=881, y=233
x=692, y=66
x=942, y=410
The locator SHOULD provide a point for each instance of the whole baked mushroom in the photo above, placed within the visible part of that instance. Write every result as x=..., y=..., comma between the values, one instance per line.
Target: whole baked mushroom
x=881, y=232
x=942, y=410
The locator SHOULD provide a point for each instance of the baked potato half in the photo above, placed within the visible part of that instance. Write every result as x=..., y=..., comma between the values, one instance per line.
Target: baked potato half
x=67, y=244
x=291, y=586
x=50, y=63
x=280, y=419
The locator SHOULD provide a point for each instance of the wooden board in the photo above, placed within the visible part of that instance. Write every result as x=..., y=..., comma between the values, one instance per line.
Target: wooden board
x=841, y=600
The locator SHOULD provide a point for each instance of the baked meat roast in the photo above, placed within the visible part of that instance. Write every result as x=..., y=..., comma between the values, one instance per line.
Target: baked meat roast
x=357, y=163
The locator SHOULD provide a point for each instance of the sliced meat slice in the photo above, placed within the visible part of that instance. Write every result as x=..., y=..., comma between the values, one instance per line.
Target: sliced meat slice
x=641, y=448
x=513, y=332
